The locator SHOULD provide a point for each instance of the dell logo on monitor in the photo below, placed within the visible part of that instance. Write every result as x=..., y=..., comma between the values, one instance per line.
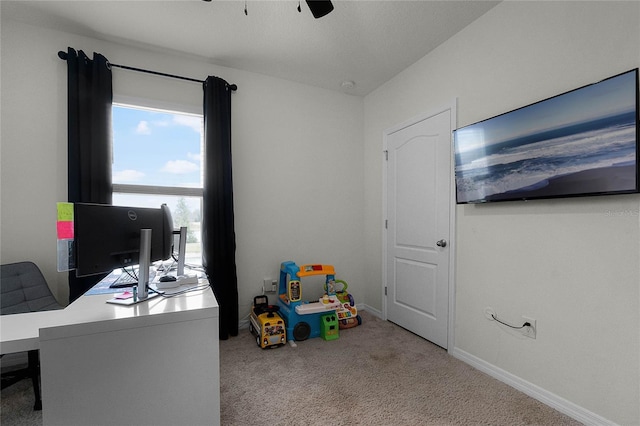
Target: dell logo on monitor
x=132, y=215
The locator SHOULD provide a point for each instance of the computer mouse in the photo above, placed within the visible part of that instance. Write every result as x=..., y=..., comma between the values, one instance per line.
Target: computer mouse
x=167, y=278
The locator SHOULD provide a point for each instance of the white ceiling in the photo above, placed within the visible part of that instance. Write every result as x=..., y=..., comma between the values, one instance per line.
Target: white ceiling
x=367, y=42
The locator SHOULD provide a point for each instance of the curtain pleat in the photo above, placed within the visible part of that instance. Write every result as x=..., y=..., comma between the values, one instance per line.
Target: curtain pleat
x=218, y=232
x=89, y=100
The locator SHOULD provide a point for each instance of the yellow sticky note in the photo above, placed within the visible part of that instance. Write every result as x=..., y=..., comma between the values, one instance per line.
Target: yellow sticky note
x=65, y=212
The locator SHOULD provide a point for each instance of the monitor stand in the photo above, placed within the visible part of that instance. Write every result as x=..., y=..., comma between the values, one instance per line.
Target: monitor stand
x=140, y=293
x=126, y=299
x=182, y=248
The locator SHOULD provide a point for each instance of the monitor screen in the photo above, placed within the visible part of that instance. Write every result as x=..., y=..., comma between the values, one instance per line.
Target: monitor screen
x=108, y=237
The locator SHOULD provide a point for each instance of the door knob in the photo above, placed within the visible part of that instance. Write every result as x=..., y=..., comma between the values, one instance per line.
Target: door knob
x=441, y=243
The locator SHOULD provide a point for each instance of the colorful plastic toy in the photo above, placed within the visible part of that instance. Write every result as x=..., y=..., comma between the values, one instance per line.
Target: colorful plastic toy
x=266, y=324
x=329, y=329
x=347, y=312
x=302, y=318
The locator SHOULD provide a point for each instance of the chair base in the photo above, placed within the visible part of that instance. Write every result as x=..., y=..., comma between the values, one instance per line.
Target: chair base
x=12, y=377
x=32, y=371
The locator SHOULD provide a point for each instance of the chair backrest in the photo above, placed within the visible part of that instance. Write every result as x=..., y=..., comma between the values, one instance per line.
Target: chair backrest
x=24, y=289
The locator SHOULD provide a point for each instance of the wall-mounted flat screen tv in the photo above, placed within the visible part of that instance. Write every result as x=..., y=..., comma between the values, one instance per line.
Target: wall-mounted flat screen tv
x=580, y=143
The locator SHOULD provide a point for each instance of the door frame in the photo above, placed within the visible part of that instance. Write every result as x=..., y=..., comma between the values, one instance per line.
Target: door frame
x=452, y=215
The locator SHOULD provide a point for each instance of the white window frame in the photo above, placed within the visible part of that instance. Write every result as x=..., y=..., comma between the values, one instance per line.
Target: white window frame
x=125, y=188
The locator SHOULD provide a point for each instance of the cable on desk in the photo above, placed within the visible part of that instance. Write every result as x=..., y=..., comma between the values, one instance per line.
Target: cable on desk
x=132, y=274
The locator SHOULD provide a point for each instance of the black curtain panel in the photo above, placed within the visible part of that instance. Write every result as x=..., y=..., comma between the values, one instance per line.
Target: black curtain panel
x=218, y=233
x=89, y=100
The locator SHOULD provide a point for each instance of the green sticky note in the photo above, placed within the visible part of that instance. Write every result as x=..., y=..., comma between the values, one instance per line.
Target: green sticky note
x=65, y=212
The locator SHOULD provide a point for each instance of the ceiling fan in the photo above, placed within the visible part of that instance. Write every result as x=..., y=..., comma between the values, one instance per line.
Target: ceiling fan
x=318, y=8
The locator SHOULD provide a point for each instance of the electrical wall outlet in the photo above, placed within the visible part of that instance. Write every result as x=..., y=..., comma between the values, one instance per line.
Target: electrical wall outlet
x=529, y=330
x=269, y=285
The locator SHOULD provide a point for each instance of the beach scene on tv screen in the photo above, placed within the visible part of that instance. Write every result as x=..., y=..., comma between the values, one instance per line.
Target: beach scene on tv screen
x=581, y=142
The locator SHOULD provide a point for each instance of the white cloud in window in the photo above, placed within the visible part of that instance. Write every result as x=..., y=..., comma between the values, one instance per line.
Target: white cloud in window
x=194, y=157
x=143, y=128
x=127, y=176
x=180, y=167
x=192, y=121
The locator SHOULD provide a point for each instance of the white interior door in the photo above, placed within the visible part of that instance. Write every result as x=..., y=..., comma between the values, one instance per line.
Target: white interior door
x=418, y=180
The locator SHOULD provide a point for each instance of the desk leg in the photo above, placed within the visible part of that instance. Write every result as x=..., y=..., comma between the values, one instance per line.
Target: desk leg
x=34, y=373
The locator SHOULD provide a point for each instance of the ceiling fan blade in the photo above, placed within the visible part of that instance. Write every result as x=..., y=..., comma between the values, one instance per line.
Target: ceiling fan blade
x=319, y=8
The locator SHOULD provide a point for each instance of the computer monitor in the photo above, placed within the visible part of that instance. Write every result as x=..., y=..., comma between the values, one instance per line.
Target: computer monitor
x=109, y=237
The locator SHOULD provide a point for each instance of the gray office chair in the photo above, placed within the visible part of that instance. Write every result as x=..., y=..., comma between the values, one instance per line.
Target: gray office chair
x=24, y=289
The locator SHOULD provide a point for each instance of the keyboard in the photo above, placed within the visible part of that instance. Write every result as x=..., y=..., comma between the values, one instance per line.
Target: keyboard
x=123, y=281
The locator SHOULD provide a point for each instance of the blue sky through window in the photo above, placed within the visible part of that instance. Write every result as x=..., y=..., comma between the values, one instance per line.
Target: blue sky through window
x=156, y=148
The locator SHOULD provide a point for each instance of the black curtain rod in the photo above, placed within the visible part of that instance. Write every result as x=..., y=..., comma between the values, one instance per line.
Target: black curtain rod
x=63, y=55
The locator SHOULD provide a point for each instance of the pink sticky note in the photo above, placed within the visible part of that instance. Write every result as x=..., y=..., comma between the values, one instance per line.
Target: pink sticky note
x=65, y=230
x=125, y=295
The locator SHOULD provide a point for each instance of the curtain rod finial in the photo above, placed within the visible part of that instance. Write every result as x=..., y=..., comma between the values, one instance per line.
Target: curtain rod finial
x=62, y=55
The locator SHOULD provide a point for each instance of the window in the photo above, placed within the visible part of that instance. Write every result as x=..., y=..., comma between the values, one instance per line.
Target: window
x=157, y=158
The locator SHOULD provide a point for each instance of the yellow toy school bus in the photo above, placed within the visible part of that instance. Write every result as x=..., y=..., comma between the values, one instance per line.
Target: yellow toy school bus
x=266, y=325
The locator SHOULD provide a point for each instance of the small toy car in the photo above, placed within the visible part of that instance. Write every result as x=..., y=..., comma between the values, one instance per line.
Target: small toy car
x=266, y=324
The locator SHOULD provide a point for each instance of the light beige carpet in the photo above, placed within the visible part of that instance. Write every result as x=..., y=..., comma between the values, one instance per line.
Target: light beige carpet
x=374, y=374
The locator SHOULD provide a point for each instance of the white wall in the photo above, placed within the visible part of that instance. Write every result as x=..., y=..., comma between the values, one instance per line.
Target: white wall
x=299, y=168
x=297, y=157
x=572, y=264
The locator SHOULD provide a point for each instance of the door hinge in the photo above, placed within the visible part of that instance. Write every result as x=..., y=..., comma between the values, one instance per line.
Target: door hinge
x=385, y=291
x=386, y=155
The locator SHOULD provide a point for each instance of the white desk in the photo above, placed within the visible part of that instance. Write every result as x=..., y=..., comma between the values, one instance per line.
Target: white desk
x=20, y=332
x=153, y=363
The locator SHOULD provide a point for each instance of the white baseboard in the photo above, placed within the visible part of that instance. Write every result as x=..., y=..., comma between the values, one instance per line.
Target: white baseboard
x=243, y=323
x=552, y=400
x=372, y=311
